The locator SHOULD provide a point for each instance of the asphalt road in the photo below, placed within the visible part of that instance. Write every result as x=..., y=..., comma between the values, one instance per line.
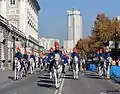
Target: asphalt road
x=39, y=83
x=89, y=83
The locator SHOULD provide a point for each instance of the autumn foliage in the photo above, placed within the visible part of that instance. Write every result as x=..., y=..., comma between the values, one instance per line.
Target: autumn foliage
x=102, y=31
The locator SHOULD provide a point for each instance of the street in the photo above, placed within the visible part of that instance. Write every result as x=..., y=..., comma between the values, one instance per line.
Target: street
x=89, y=83
x=39, y=83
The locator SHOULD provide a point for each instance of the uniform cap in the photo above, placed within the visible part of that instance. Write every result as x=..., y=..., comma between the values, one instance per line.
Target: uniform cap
x=56, y=44
x=18, y=49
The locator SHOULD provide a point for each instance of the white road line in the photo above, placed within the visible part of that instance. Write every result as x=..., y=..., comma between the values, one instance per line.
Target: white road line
x=59, y=91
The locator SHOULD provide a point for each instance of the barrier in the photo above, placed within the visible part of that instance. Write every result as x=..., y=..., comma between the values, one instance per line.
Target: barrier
x=115, y=71
x=91, y=67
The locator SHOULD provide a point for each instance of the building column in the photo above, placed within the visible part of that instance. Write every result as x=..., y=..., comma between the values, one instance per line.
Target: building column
x=10, y=50
x=2, y=43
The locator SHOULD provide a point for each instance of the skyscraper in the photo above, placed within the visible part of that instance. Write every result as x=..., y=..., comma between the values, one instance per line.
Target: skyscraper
x=74, y=26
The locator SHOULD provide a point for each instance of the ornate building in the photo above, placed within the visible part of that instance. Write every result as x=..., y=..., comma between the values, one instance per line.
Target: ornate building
x=23, y=15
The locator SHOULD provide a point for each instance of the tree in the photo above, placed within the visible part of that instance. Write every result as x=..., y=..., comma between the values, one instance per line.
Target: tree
x=82, y=46
x=100, y=32
x=104, y=30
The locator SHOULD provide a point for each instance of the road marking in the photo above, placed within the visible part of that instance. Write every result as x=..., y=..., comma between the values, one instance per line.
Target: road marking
x=59, y=91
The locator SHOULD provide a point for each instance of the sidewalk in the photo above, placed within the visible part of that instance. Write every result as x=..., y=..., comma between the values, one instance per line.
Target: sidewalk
x=6, y=76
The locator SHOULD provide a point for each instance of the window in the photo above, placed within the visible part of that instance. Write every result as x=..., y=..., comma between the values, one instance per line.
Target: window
x=12, y=2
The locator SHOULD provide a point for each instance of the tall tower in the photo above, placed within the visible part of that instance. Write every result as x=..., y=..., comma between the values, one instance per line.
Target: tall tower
x=74, y=25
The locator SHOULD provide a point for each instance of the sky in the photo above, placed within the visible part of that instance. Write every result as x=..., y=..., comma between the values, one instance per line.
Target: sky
x=53, y=15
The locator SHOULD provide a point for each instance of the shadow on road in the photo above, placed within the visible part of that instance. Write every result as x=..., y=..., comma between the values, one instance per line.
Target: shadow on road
x=11, y=77
x=68, y=77
x=46, y=81
x=45, y=85
x=93, y=76
x=43, y=77
x=115, y=80
x=46, y=75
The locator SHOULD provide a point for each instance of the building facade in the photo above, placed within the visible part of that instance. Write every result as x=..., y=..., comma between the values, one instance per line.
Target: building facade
x=23, y=14
x=47, y=43
x=118, y=18
x=68, y=45
x=9, y=35
x=18, y=27
x=74, y=25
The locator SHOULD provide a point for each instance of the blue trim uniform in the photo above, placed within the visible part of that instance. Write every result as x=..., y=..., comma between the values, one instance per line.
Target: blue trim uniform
x=65, y=59
x=19, y=55
x=57, y=51
x=49, y=57
x=76, y=54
